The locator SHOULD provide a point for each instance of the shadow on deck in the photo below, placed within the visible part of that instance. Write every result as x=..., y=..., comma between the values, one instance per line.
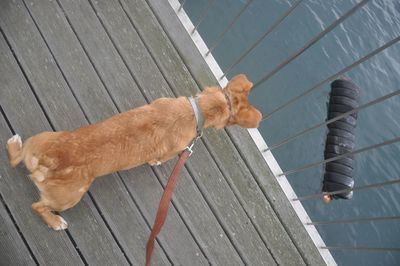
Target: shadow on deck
x=67, y=63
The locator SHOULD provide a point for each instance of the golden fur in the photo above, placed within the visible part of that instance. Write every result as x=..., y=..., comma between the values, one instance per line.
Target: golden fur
x=64, y=164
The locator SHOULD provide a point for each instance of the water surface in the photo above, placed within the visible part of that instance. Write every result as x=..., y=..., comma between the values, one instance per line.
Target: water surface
x=370, y=27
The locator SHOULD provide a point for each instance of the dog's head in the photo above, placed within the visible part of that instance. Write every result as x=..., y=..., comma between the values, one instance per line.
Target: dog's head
x=242, y=113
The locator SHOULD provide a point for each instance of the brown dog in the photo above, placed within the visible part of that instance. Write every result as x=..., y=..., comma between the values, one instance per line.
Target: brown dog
x=64, y=164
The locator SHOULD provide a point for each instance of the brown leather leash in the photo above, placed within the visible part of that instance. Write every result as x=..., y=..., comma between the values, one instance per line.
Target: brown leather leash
x=165, y=200
x=173, y=178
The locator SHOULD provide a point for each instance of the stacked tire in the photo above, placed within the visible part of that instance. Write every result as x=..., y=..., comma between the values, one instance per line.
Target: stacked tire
x=340, y=139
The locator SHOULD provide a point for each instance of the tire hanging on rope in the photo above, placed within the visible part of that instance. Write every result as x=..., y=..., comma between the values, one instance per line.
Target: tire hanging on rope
x=344, y=97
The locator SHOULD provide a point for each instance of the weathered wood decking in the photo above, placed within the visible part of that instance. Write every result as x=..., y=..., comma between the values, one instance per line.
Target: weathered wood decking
x=67, y=63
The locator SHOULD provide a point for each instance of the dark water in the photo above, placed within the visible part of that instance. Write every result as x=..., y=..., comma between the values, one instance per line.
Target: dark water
x=370, y=27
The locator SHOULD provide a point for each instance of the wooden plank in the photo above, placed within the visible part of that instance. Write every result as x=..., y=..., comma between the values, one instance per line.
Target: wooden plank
x=183, y=43
x=98, y=46
x=109, y=193
x=157, y=43
x=249, y=154
x=13, y=251
x=17, y=190
x=275, y=195
x=130, y=47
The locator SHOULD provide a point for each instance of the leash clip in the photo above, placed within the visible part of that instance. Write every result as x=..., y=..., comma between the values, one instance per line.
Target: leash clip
x=189, y=148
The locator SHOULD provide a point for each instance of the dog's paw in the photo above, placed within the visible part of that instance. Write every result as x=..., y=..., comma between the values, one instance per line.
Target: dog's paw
x=60, y=224
x=153, y=163
x=15, y=139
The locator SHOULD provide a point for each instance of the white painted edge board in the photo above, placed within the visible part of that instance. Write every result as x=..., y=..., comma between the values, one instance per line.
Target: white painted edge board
x=256, y=136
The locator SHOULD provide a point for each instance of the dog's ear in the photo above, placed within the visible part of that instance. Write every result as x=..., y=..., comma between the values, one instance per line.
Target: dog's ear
x=239, y=83
x=243, y=114
x=248, y=117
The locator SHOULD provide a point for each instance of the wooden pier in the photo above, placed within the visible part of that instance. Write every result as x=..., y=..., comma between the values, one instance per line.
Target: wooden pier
x=69, y=63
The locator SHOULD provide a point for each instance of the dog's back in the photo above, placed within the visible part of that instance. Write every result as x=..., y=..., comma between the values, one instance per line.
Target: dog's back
x=64, y=164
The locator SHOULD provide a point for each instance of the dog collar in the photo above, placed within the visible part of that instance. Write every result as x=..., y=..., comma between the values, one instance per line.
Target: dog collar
x=197, y=113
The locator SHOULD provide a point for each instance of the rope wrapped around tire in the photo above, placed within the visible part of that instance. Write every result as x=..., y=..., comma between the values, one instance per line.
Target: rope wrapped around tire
x=344, y=97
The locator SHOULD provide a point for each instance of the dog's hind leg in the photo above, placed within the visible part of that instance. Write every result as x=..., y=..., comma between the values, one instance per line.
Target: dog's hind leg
x=45, y=212
x=59, y=191
x=14, y=148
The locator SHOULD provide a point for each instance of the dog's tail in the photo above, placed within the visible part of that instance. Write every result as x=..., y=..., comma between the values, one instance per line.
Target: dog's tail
x=15, y=151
